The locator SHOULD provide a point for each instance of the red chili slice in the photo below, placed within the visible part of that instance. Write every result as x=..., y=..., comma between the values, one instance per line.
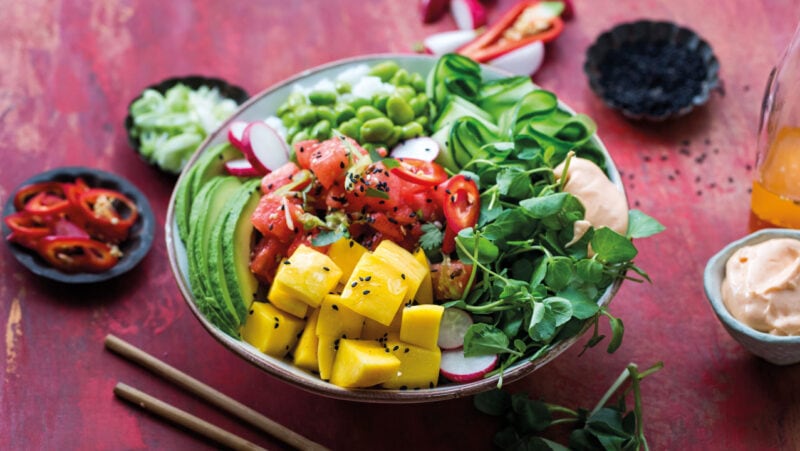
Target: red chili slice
x=47, y=204
x=26, y=229
x=26, y=193
x=70, y=254
x=461, y=208
x=421, y=172
x=109, y=215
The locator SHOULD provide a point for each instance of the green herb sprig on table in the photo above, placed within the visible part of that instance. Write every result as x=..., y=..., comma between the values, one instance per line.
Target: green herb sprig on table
x=606, y=426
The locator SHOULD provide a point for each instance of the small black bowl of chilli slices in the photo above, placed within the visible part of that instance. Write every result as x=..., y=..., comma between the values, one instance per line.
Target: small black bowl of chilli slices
x=78, y=225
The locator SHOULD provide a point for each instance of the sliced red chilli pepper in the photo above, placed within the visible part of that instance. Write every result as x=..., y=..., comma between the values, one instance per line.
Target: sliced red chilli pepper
x=461, y=208
x=27, y=192
x=109, y=215
x=70, y=254
x=500, y=38
x=421, y=172
x=26, y=229
x=47, y=204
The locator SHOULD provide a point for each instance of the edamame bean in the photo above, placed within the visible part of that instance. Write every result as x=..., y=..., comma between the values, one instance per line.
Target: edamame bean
x=320, y=97
x=376, y=130
x=384, y=70
x=351, y=128
x=398, y=110
x=326, y=113
x=421, y=120
x=322, y=130
x=400, y=78
x=343, y=87
x=411, y=130
x=417, y=82
x=368, y=112
x=296, y=99
x=406, y=92
x=379, y=102
x=343, y=112
x=358, y=102
x=306, y=114
x=418, y=104
x=302, y=135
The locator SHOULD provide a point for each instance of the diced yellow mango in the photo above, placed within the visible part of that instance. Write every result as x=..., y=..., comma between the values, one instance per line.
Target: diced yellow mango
x=363, y=363
x=345, y=253
x=375, y=289
x=305, y=353
x=308, y=275
x=420, y=325
x=419, y=367
x=374, y=330
x=271, y=330
x=411, y=271
x=327, y=347
x=424, y=294
x=337, y=320
x=280, y=297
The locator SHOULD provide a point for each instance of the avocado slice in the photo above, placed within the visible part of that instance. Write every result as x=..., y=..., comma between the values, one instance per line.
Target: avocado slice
x=211, y=202
x=242, y=284
x=208, y=166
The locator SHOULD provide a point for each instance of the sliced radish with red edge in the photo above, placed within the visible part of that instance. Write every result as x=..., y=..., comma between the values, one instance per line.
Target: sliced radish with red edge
x=457, y=368
x=422, y=148
x=432, y=10
x=240, y=167
x=453, y=328
x=448, y=41
x=263, y=147
x=525, y=60
x=468, y=14
x=236, y=133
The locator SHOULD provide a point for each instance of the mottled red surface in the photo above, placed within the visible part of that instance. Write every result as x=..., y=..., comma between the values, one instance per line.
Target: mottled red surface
x=69, y=69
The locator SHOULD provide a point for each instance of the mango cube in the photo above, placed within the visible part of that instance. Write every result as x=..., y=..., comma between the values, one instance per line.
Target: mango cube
x=308, y=275
x=411, y=271
x=420, y=325
x=280, y=297
x=363, y=363
x=424, y=294
x=375, y=289
x=271, y=330
x=419, y=367
x=305, y=353
x=327, y=347
x=336, y=320
x=374, y=330
x=345, y=253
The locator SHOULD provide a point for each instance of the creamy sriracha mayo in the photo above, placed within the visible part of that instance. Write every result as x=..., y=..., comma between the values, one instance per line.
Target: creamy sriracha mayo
x=762, y=286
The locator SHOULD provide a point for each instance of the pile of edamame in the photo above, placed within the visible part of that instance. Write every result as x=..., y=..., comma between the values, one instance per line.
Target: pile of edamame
x=382, y=120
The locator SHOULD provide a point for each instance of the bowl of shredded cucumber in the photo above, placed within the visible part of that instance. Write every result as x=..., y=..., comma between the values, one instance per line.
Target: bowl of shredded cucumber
x=495, y=244
x=168, y=120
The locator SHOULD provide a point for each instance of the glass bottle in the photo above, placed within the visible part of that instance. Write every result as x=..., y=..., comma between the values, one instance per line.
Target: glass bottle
x=776, y=186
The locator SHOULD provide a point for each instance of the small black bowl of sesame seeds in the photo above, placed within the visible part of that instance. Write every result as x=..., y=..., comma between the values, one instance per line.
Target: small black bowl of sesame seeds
x=652, y=70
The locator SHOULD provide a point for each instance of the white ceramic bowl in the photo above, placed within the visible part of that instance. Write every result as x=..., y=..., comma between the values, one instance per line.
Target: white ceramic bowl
x=265, y=104
x=780, y=350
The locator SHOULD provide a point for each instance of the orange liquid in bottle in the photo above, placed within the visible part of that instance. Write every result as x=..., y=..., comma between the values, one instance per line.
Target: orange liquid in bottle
x=776, y=190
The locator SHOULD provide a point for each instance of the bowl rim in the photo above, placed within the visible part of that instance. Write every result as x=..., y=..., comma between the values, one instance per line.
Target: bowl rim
x=591, y=68
x=145, y=224
x=715, y=271
x=275, y=367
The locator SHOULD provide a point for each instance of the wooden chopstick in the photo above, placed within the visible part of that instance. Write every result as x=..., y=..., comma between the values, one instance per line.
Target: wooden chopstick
x=183, y=418
x=209, y=394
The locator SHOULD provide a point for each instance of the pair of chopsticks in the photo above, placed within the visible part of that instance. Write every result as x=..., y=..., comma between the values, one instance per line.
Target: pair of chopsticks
x=205, y=392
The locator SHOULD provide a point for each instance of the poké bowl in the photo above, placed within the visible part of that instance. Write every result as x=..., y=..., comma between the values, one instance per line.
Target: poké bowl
x=780, y=350
x=265, y=104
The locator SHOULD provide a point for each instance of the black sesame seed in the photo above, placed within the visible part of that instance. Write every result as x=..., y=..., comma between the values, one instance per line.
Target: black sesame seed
x=366, y=292
x=335, y=307
x=326, y=268
x=354, y=284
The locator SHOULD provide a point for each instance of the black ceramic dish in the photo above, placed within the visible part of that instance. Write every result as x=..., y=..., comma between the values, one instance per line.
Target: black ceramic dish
x=225, y=89
x=652, y=70
x=134, y=248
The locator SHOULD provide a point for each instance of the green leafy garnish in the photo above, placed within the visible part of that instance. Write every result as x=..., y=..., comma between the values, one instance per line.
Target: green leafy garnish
x=606, y=426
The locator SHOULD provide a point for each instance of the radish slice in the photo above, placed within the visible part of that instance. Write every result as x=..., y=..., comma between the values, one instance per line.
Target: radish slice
x=453, y=328
x=236, y=132
x=422, y=148
x=468, y=14
x=525, y=60
x=432, y=10
x=240, y=167
x=457, y=368
x=448, y=41
x=263, y=147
